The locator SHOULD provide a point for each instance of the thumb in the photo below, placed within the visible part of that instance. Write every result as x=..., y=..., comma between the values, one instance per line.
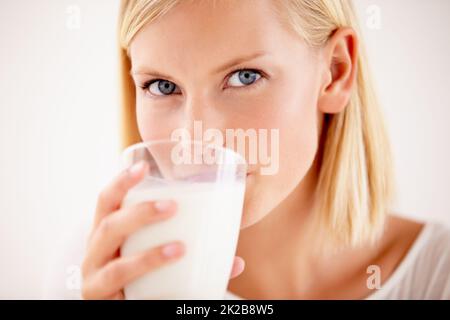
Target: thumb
x=238, y=267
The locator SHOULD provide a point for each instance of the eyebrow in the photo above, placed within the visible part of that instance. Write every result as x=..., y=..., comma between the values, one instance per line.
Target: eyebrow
x=239, y=60
x=228, y=65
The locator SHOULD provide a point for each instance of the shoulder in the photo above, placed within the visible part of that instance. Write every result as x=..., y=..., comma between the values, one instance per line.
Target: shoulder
x=430, y=262
x=424, y=237
x=434, y=251
x=424, y=271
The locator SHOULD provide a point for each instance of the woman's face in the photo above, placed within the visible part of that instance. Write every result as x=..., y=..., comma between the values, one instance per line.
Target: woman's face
x=232, y=65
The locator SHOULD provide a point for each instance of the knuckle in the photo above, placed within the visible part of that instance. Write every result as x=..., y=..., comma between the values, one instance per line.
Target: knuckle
x=102, y=196
x=145, y=208
x=106, y=227
x=114, y=274
x=122, y=185
x=139, y=213
x=151, y=258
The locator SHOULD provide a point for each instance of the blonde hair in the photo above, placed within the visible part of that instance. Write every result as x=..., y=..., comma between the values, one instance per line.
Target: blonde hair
x=355, y=181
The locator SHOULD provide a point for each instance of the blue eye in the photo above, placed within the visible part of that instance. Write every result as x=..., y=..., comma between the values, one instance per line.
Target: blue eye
x=161, y=87
x=243, y=78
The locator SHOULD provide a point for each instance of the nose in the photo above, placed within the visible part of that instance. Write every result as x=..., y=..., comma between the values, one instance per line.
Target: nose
x=193, y=113
x=199, y=115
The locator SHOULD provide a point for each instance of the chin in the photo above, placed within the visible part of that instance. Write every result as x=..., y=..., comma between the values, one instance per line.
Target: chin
x=246, y=221
x=256, y=204
x=252, y=213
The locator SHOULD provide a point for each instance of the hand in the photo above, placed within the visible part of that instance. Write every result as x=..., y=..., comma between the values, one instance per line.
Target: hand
x=105, y=273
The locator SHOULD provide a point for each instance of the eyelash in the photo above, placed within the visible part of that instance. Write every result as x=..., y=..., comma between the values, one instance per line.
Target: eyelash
x=145, y=86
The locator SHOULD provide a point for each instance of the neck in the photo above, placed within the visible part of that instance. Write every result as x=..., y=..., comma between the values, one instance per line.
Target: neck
x=281, y=244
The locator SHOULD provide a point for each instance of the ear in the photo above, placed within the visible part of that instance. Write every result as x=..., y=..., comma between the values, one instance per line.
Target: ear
x=340, y=56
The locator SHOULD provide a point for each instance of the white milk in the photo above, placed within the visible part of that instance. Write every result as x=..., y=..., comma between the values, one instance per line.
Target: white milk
x=207, y=221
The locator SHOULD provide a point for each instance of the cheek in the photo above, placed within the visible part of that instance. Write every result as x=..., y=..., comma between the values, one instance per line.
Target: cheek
x=294, y=113
x=299, y=135
x=291, y=108
x=153, y=123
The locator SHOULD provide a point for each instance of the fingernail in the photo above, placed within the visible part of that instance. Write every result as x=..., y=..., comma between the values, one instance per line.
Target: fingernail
x=164, y=205
x=136, y=168
x=172, y=250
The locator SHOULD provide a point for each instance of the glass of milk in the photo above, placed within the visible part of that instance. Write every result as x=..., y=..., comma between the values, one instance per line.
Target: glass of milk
x=208, y=184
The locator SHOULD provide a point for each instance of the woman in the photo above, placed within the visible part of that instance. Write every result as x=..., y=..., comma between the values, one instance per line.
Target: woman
x=320, y=228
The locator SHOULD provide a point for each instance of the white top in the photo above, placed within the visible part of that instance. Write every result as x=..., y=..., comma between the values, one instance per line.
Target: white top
x=424, y=273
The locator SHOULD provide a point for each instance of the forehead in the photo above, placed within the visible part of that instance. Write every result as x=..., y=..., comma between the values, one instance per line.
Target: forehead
x=201, y=32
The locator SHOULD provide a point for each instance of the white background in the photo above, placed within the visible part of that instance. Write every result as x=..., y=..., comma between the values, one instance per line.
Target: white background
x=59, y=120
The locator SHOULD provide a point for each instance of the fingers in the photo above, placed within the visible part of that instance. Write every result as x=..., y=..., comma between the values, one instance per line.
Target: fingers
x=238, y=267
x=116, y=227
x=111, y=197
x=110, y=280
x=117, y=296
